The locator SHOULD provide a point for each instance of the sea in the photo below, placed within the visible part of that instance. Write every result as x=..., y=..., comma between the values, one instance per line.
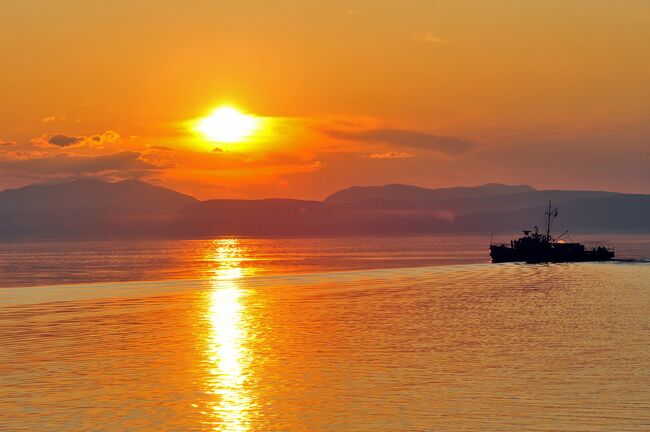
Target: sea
x=325, y=334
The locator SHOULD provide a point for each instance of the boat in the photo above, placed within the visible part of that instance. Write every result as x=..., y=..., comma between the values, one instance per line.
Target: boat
x=536, y=247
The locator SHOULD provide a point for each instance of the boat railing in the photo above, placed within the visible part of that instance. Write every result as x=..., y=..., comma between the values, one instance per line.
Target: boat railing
x=594, y=244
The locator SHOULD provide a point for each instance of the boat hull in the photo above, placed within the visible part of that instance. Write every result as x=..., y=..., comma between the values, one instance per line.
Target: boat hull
x=551, y=253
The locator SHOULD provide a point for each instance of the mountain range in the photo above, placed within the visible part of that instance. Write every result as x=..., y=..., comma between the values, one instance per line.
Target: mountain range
x=89, y=208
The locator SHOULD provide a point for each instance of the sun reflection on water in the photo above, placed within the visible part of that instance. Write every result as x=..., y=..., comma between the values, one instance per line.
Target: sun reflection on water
x=227, y=355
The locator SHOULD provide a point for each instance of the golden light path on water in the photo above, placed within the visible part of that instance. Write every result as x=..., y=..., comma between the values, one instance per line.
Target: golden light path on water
x=226, y=351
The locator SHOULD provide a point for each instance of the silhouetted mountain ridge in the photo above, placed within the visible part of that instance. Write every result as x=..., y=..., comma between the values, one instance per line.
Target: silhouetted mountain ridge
x=135, y=209
x=92, y=193
x=403, y=193
x=610, y=213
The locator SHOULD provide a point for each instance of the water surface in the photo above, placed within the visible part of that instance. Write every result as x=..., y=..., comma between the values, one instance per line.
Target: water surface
x=54, y=263
x=447, y=347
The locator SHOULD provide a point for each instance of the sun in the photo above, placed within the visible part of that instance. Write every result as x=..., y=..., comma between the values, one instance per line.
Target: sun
x=228, y=125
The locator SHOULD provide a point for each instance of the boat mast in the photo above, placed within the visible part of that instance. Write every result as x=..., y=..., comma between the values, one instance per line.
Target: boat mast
x=548, y=221
x=549, y=213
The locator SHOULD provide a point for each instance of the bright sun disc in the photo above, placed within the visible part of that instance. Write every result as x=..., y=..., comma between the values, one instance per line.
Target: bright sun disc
x=227, y=125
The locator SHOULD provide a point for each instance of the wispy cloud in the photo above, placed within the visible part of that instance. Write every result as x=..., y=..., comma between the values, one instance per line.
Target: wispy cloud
x=68, y=165
x=64, y=140
x=427, y=37
x=108, y=137
x=391, y=155
x=51, y=119
x=160, y=148
x=406, y=138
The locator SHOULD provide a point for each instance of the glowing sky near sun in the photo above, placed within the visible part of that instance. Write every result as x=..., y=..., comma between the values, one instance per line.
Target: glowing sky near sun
x=227, y=124
x=323, y=95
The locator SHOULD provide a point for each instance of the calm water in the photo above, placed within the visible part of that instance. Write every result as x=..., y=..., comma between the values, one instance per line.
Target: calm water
x=320, y=335
x=49, y=263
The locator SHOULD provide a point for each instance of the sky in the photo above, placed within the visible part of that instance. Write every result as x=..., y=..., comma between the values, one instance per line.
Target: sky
x=553, y=94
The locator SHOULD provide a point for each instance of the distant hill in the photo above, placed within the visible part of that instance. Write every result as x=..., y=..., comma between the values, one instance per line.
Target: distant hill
x=460, y=200
x=298, y=217
x=406, y=193
x=89, y=208
x=250, y=217
x=611, y=213
x=90, y=193
x=519, y=201
x=134, y=209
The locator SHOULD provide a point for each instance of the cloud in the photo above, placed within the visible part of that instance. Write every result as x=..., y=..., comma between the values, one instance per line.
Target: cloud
x=391, y=155
x=61, y=140
x=64, y=140
x=427, y=37
x=108, y=137
x=48, y=119
x=7, y=143
x=160, y=148
x=67, y=165
x=406, y=138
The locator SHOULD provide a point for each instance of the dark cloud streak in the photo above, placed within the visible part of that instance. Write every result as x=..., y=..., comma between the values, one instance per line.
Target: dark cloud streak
x=61, y=140
x=75, y=165
x=406, y=138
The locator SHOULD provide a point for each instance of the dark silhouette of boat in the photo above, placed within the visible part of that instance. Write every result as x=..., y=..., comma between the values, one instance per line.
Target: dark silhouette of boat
x=534, y=247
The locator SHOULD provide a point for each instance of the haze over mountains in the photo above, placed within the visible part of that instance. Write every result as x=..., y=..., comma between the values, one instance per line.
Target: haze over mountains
x=96, y=209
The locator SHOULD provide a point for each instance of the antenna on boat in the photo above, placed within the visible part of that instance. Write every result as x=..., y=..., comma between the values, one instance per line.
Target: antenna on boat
x=549, y=213
x=562, y=235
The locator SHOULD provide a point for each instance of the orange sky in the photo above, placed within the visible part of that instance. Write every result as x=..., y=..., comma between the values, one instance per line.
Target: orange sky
x=554, y=94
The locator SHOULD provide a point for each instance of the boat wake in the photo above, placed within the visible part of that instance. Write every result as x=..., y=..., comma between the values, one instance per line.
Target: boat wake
x=632, y=260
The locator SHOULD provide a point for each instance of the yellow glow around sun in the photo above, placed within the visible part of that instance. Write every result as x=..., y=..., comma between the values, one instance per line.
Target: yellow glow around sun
x=228, y=125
